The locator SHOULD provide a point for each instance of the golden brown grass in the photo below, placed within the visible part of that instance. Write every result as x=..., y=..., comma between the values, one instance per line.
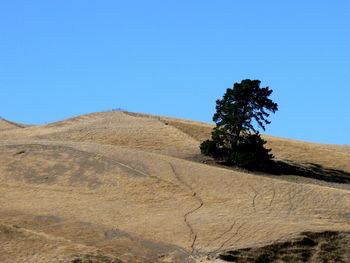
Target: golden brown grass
x=8, y=125
x=118, y=186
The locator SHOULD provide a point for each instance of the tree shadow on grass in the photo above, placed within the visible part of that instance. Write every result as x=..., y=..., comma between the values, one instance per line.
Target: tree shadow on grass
x=277, y=167
x=309, y=170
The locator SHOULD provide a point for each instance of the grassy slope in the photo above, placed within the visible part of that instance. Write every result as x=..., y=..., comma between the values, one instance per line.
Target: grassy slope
x=116, y=185
x=9, y=125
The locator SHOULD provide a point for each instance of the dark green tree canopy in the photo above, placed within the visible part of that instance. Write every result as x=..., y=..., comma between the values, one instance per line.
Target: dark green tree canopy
x=239, y=115
x=243, y=104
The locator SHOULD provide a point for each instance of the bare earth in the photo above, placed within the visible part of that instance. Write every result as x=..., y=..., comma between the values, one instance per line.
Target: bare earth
x=127, y=187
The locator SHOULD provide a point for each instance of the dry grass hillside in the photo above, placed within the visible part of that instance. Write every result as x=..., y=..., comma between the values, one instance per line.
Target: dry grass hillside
x=8, y=125
x=127, y=187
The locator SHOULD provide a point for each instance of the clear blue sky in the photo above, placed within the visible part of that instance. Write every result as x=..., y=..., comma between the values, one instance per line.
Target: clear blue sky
x=62, y=58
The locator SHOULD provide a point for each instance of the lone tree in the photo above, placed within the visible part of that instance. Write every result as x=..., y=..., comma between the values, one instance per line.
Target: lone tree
x=236, y=138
